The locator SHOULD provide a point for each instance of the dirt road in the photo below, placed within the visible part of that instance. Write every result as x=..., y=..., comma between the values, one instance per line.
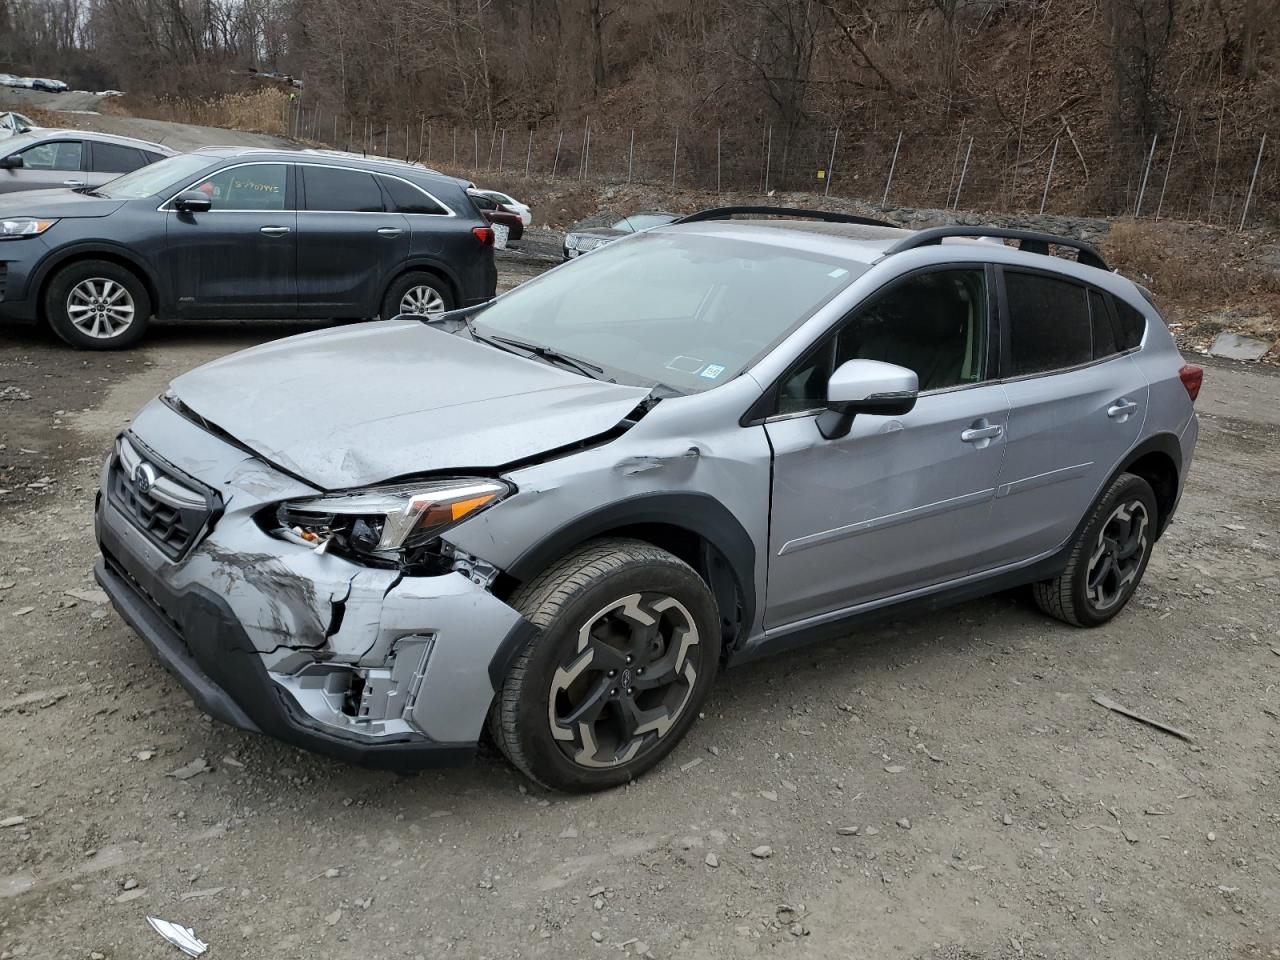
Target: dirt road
x=79, y=110
x=999, y=813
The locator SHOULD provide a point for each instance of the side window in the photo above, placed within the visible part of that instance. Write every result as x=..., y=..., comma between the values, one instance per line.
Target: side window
x=409, y=199
x=112, y=158
x=933, y=323
x=343, y=191
x=1104, y=334
x=1048, y=323
x=484, y=203
x=1132, y=324
x=58, y=155
x=259, y=186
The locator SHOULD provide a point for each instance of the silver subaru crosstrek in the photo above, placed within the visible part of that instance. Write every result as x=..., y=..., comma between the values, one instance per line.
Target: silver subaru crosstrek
x=554, y=517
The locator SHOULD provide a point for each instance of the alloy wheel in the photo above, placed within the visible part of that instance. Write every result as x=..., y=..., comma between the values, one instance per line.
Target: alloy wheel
x=1117, y=557
x=100, y=308
x=627, y=681
x=423, y=301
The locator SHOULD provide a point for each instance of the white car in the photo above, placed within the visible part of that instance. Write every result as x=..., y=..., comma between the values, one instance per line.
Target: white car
x=512, y=204
x=12, y=124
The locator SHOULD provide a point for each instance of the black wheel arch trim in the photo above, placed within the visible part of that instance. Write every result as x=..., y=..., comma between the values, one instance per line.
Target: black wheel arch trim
x=88, y=250
x=1170, y=446
x=699, y=514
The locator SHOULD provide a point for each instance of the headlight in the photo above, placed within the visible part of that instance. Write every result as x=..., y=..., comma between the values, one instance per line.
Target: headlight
x=24, y=227
x=389, y=522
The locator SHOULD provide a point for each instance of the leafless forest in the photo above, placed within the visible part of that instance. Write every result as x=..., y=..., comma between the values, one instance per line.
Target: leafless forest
x=1028, y=91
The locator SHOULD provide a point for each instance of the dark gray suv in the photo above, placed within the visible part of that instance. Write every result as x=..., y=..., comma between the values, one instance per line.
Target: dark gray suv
x=242, y=232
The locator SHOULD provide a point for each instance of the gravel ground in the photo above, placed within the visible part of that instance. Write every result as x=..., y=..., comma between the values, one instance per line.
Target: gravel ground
x=941, y=787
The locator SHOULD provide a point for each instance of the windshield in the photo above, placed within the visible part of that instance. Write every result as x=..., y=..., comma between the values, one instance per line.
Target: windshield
x=153, y=179
x=642, y=221
x=680, y=309
x=19, y=142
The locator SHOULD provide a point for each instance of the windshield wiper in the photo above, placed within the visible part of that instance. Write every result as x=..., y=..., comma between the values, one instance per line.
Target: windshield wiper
x=551, y=355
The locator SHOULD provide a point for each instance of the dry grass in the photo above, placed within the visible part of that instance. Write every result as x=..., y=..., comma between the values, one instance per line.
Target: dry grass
x=1194, y=268
x=263, y=110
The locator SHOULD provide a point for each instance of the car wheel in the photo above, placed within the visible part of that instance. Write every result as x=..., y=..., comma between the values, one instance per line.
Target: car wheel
x=627, y=649
x=1108, y=558
x=97, y=305
x=417, y=294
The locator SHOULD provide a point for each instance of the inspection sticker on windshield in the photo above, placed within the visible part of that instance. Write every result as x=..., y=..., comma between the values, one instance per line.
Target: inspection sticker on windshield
x=711, y=371
x=837, y=273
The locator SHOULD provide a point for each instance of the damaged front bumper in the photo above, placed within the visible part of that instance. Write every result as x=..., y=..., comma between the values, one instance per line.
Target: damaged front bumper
x=357, y=662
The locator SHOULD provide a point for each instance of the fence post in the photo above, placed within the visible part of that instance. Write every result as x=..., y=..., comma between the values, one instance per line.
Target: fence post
x=502, y=151
x=555, y=163
x=768, y=159
x=1053, y=158
x=582, y=156
x=335, y=131
x=963, y=171
x=675, y=153
x=631, y=155
x=586, y=155
x=717, y=159
x=1142, y=190
x=493, y=140
x=1244, y=215
x=892, y=163
x=455, y=146
x=351, y=131
x=826, y=187
x=475, y=136
x=1168, y=167
x=528, y=155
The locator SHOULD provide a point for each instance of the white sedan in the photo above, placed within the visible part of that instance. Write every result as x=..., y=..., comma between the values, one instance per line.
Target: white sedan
x=512, y=204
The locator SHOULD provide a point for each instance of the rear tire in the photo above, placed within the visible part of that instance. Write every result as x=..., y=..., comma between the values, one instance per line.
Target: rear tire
x=627, y=649
x=417, y=294
x=1108, y=559
x=97, y=305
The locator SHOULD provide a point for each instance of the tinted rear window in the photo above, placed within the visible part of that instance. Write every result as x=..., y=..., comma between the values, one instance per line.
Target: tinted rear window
x=113, y=158
x=1104, y=334
x=1049, y=324
x=352, y=191
x=1132, y=325
x=406, y=198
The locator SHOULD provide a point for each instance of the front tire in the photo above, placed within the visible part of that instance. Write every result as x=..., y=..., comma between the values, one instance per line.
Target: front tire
x=419, y=294
x=1108, y=559
x=627, y=649
x=97, y=305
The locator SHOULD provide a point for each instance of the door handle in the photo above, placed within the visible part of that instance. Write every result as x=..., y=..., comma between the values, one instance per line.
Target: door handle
x=274, y=231
x=1121, y=409
x=73, y=183
x=980, y=433
x=390, y=231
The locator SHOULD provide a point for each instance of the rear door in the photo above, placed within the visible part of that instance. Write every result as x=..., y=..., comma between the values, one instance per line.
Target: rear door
x=240, y=258
x=349, y=244
x=110, y=160
x=47, y=165
x=1077, y=401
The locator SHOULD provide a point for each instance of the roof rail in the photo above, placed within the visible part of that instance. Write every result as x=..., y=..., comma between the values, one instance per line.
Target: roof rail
x=726, y=213
x=1031, y=241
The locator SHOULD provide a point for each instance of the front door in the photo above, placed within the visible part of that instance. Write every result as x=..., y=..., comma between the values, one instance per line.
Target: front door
x=46, y=166
x=1076, y=407
x=903, y=502
x=240, y=258
x=349, y=246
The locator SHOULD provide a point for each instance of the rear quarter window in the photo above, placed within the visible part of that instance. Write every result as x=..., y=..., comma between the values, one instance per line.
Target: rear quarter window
x=406, y=198
x=1131, y=323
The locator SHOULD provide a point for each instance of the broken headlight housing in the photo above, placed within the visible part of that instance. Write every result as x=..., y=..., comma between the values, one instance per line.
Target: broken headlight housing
x=396, y=524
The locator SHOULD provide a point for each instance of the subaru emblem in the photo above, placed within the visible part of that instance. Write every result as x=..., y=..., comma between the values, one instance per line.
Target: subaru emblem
x=144, y=477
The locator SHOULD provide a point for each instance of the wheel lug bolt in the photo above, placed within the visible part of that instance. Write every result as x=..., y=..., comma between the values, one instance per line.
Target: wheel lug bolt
x=613, y=692
x=639, y=671
x=613, y=673
x=630, y=691
x=630, y=658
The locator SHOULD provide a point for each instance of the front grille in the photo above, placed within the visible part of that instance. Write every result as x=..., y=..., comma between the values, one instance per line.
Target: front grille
x=171, y=509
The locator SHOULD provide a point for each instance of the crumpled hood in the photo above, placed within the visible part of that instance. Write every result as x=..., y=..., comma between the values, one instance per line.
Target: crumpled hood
x=55, y=204
x=374, y=401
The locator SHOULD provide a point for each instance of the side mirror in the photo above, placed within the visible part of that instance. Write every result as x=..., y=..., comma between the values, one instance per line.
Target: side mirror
x=11, y=162
x=192, y=201
x=866, y=386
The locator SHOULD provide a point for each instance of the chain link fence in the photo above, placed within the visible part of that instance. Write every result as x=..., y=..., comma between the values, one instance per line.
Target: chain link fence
x=1212, y=175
